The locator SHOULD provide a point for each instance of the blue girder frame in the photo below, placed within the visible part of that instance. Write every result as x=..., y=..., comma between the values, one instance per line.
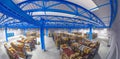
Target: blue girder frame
x=64, y=11
x=59, y=2
x=12, y=10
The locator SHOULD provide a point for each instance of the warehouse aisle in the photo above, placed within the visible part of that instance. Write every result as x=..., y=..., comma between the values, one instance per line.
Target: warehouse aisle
x=3, y=53
x=103, y=50
x=51, y=53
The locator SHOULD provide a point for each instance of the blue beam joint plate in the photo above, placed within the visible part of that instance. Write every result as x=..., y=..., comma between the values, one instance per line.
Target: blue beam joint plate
x=42, y=35
x=6, y=36
x=46, y=31
x=90, y=33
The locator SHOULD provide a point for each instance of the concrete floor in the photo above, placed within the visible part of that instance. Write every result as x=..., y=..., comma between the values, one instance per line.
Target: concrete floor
x=53, y=53
x=103, y=50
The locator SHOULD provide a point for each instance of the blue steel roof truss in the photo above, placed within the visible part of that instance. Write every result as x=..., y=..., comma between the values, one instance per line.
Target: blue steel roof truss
x=62, y=21
x=63, y=11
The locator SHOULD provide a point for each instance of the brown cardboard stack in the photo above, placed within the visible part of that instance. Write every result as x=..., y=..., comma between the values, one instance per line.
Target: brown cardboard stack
x=21, y=46
x=67, y=53
x=75, y=44
x=12, y=53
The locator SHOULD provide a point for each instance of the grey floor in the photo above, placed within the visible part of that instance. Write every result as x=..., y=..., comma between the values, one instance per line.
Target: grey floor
x=103, y=50
x=53, y=53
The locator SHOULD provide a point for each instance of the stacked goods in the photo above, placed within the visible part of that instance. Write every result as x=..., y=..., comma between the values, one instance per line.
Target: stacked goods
x=80, y=47
x=19, y=47
x=77, y=33
x=27, y=46
x=29, y=43
x=75, y=44
x=68, y=53
x=84, y=51
x=94, y=35
x=87, y=42
x=31, y=34
x=11, y=52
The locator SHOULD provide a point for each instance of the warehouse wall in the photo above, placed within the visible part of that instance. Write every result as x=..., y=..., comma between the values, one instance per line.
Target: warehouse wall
x=2, y=33
x=114, y=52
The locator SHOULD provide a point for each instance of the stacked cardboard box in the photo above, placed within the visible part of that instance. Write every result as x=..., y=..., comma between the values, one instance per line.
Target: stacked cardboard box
x=94, y=35
x=19, y=48
x=12, y=53
x=78, y=46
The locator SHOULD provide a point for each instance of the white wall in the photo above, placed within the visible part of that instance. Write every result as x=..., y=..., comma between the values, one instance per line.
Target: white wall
x=114, y=52
x=2, y=33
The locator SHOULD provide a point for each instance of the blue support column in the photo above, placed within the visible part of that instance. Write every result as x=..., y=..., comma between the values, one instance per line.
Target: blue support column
x=46, y=31
x=42, y=35
x=42, y=38
x=6, y=36
x=90, y=33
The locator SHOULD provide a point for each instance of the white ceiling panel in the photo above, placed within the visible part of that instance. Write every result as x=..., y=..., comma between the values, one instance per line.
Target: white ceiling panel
x=88, y=4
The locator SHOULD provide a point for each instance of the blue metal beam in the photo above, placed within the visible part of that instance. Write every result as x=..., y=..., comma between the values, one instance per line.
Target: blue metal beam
x=36, y=4
x=6, y=35
x=22, y=26
x=114, y=9
x=46, y=31
x=42, y=38
x=69, y=18
x=10, y=9
x=42, y=35
x=70, y=7
x=63, y=22
x=53, y=5
x=3, y=19
x=69, y=27
x=63, y=11
x=56, y=10
x=82, y=12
